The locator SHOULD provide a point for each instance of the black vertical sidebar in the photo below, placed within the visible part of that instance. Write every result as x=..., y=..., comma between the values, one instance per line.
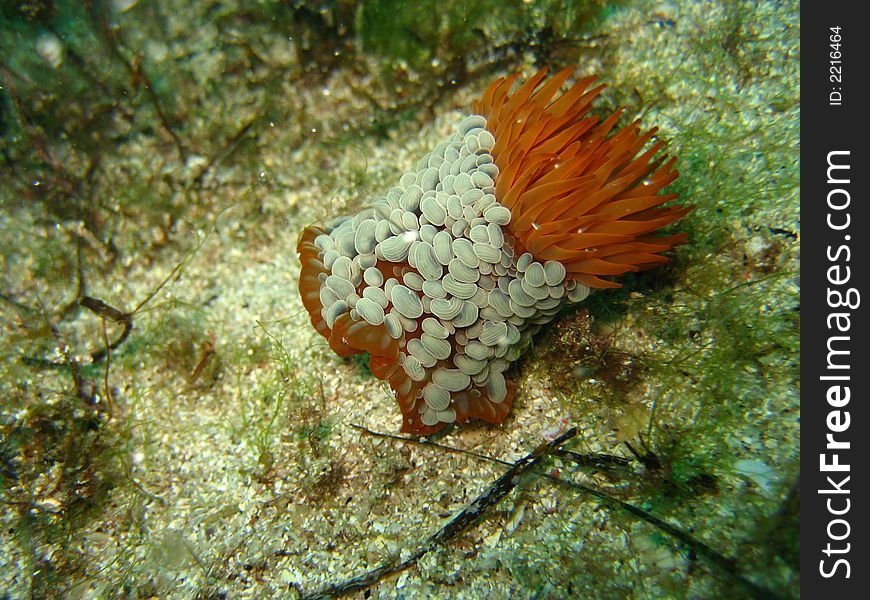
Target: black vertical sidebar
x=835, y=300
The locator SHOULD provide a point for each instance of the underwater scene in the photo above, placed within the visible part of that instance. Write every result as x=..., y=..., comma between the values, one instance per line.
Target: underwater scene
x=393, y=299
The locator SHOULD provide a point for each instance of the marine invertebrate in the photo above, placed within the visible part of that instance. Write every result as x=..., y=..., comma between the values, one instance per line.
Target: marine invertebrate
x=529, y=205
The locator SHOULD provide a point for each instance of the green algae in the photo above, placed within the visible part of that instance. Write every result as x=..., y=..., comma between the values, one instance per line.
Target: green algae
x=434, y=36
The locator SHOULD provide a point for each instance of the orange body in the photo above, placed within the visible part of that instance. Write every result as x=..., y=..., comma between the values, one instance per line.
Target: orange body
x=577, y=195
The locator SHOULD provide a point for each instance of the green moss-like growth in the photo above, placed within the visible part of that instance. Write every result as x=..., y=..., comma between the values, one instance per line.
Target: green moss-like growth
x=429, y=35
x=180, y=338
x=423, y=32
x=59, y=463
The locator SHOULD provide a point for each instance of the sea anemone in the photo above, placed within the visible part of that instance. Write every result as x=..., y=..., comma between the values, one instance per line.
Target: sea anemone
x=529, y=205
